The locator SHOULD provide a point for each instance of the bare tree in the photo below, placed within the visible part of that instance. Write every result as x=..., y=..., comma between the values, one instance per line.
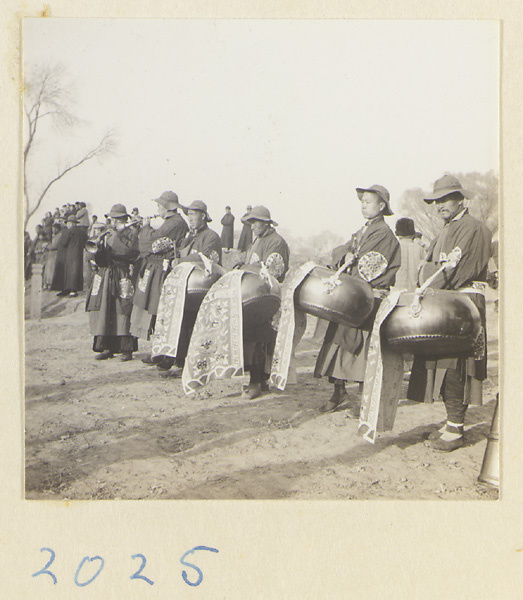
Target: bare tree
x=48, y=95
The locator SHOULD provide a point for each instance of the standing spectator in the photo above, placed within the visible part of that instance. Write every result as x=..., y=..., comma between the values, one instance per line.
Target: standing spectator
x=72, y=241
x=135, y=215
x=82, y=215
x=50, y=262
x=412, y=255
x=28, y=249
x=95, y=229
x=246, y=235
x=47, y=223
x=228, y=229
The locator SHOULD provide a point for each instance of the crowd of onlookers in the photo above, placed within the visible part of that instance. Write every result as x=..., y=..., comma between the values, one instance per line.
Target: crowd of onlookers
x=59, y=245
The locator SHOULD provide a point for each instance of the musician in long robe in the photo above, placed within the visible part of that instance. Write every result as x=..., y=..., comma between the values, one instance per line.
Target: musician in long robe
x=157, y=249
x=110, y=298
x=199, y=239
x=468, y=241
x=372, y=254
x=271, y=250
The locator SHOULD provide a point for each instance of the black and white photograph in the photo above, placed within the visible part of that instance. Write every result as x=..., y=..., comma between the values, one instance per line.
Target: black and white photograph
x=261, y=259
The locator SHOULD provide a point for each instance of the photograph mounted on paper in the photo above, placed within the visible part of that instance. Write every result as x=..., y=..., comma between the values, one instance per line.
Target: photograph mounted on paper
x=261, y=259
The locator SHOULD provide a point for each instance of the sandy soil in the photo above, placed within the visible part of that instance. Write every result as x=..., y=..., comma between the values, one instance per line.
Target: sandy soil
x=106, y=429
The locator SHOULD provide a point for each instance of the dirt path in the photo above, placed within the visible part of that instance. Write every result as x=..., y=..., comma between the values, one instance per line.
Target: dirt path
x=106, y=429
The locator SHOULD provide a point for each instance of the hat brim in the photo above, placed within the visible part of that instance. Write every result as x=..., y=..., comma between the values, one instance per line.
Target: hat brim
x=168, y=204
x=387, y=212
x=186, y=210
x=447, y=192
x=117, y=215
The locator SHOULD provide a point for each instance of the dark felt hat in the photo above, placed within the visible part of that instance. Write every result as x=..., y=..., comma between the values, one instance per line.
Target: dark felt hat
x=117, y=211
x=259, y=213
x=381, y=192
x=198, y=205
x=446, y=185
x=405, y=227
x=168, y=200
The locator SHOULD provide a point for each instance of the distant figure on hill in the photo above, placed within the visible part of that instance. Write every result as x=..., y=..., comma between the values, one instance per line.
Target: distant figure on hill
x=228, y=229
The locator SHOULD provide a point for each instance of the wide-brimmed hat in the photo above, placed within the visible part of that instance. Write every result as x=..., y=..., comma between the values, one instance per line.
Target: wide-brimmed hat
x=168, y=200
x=259, y=213
x=72, y=219
x=405, y=227
x=117, y=211
x=381, y=192
x=448, y=184
x=198, y=205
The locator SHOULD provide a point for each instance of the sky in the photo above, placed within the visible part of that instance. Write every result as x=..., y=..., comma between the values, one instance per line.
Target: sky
x=293, y=115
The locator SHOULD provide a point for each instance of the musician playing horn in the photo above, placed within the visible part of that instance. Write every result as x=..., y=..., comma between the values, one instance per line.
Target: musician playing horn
x=109, y=302
x=468, y=241
x=157, y=248
x=372, y=254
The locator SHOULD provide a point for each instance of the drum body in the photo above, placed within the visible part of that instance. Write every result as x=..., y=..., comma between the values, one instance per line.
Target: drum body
x=349, y=303
x=198, y=285
x=261, y=298
x=447, y=325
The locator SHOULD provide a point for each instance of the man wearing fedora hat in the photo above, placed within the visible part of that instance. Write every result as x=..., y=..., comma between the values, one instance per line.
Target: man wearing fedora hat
x=199, y=240
x=372, y=254
x=468, y=241
x=157, y=248
x=70, y=279
x=412, y=255
x=271, y=250
x=109, y=302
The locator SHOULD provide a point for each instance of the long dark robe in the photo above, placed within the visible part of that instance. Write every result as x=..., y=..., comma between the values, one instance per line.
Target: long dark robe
x=156, y=265
x=228, y=231
x=245, y=238
x=109, y=301
x=74, y=258
x=59, y=267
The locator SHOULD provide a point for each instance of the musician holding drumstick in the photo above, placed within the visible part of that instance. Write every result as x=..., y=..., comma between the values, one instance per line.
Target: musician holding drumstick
x=459, y=255
x=372, y=254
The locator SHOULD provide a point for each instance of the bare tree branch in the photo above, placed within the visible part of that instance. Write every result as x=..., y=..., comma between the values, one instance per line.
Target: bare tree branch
x=48, y=92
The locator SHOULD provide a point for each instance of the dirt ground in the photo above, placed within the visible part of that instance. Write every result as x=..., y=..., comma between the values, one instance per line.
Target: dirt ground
x=108, y=430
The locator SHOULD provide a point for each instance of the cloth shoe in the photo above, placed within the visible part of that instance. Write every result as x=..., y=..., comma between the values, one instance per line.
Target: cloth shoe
x=353, y=412
x=126, y=356
x=338, y=397
x=450, y=439
x=252, y=391
x=104, y=355
x=435, y=435
x=73, y=294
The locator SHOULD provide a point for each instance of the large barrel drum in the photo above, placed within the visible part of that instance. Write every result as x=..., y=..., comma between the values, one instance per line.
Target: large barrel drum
x=199, y=283
x=349, y=303
x=447, y=325
x=261, y=298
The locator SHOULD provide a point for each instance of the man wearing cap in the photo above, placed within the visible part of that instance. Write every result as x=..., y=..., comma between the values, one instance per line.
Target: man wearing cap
x=464, y=244
x=269, y=249
x=227, y=229
x=372, y=254
x=412, y=255
x=109, y=302
x=71, y=245
x=200, y=240
x=157, y=248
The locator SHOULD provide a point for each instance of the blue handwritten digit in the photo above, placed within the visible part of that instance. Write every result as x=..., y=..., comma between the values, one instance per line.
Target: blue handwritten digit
x=188, y=564
x=44, y=571
x=83, y=561
x=142, y=567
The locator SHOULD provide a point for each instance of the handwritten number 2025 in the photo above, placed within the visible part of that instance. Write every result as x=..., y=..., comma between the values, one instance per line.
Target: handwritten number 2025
x=81, y=579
